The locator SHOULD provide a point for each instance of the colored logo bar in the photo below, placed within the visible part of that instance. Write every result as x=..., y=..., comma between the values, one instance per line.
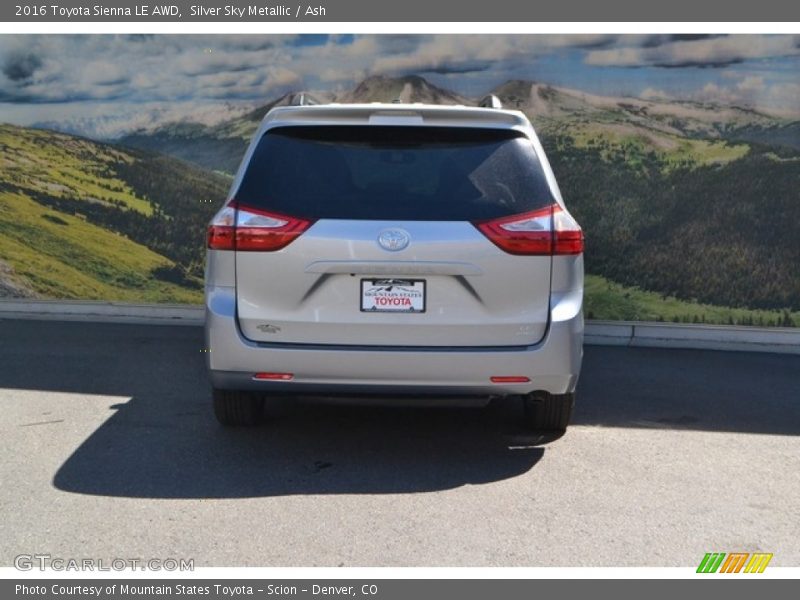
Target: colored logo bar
x=734, y=562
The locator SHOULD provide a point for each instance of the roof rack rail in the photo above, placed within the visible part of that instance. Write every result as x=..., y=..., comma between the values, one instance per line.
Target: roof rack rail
x=490, y=101
x=303, y=99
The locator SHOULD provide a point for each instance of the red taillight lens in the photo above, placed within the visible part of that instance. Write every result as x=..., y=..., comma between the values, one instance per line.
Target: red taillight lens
x=543, y=232
x=261, y=231
x=567, y=234
x=529, y=233
x=221, y=230
x=248, y=229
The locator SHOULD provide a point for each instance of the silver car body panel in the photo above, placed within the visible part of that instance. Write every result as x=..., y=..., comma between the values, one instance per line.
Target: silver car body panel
x=552, y=365
x=504, y=300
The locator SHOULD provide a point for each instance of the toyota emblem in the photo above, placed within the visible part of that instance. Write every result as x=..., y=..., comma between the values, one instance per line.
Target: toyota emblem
x=393, y=239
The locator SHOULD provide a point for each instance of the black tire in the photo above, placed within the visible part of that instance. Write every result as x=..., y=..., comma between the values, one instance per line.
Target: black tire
x=236, y=408
x=548, y=412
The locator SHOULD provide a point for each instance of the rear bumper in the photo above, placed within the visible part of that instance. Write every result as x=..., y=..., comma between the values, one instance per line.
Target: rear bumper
x=552, y=365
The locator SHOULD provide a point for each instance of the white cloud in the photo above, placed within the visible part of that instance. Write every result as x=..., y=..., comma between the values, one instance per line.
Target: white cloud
x=654, y=94
x=715, y=51
x=753, y=92
x=464, y=53
x=751, y=84
x=109, y=120
x=66, y=68
x=63, y=68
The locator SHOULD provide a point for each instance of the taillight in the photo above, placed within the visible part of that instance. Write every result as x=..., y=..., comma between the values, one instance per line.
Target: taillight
x=567, y=234
x=543, y=232
x=221, y=230
x=248, y=229
x=259, y=230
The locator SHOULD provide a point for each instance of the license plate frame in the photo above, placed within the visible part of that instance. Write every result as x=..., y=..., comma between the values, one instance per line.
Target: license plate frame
x=414, y=290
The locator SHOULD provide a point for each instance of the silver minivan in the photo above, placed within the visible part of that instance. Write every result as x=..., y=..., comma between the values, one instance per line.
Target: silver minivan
x=394, y=249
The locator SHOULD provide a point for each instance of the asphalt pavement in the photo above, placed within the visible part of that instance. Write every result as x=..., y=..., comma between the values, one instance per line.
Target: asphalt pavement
x=110, y=450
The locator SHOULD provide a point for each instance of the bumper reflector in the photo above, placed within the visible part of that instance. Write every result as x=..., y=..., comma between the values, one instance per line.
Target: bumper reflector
x=274, y=376
x=510, y=379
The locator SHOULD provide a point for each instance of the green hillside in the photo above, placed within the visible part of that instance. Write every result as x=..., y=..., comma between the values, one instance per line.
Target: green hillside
x=206, y=147
x=78, y=220
x=638, y=144
x=611, y=301
x=63, y=256
x=57, y=164
x=217, y=148
x=548, y=105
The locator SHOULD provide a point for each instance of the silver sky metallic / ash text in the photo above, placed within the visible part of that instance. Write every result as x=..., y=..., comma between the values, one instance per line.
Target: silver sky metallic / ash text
x=253, y=10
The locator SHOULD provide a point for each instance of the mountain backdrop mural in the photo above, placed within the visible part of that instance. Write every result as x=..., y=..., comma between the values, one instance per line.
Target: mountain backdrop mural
x=679, y=155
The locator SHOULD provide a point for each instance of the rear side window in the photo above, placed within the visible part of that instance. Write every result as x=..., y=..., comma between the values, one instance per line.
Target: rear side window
x=394, y=173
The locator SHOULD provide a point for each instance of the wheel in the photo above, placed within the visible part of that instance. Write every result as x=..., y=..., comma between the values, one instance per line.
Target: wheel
x=237, y=408
x=548, y=412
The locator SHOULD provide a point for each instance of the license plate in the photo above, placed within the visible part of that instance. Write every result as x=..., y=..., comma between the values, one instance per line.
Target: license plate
x=393, y=295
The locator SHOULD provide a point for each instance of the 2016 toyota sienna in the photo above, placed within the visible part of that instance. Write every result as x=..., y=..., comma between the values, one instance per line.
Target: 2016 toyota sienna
x=386, y=249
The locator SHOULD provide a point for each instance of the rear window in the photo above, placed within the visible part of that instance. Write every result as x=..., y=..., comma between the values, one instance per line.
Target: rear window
x=394, y=173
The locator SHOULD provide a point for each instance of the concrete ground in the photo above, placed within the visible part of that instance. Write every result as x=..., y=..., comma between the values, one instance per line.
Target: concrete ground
x=110, y=450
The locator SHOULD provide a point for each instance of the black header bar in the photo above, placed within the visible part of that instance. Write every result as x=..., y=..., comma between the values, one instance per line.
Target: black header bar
x=439, y=11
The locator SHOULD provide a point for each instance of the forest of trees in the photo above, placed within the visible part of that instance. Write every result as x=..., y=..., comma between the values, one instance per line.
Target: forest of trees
x=722, y=234
x=184, y=200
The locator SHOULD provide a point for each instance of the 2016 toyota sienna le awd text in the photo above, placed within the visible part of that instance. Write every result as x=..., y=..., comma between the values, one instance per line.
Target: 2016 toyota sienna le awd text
x=395, y=249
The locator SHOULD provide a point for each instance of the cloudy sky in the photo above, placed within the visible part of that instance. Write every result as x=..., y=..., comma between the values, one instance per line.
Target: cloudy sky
x=107, y=84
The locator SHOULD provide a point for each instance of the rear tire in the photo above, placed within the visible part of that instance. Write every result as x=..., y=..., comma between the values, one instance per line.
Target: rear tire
x=548, y=412
x=235, y=408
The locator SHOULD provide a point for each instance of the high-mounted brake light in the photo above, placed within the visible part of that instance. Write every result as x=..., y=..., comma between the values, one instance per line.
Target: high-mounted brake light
x=248, y=229
x=546, y=231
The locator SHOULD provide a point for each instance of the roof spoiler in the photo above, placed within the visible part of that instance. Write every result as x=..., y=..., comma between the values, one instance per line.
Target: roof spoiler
x=490, y=101
x=303, y=99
